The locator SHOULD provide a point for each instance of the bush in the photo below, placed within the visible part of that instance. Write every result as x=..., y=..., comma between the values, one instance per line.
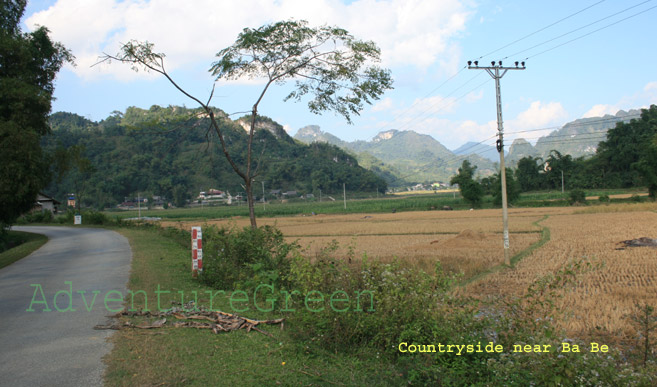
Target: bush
x=44, y=216
x=95, y=217
x=636, y=198
x=388, y=304
x=244, y=259
x=577, y=196
x=604, y=199
x=88, y=217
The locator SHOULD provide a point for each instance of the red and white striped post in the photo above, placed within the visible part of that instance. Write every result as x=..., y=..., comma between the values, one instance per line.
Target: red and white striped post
x=197, y=251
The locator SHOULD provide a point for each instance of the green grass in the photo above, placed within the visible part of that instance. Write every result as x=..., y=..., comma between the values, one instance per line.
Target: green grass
x=184, y=356
x=26, y=243
x=373, y=205
x=410, y=203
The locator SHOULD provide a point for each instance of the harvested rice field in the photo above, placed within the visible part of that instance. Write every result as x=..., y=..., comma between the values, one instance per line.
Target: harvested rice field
x=604, y=297
x=465, y=242
x=470, y=242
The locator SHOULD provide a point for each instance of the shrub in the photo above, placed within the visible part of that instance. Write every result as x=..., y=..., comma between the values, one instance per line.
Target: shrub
x=387, y=304
x=95, y=217
x=577, y=196
x=44, y=216
x=636, y=198
x=604, y=199
x=244, y=259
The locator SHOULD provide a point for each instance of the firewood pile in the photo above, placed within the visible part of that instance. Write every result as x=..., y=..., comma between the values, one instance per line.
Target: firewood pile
x=215, y=321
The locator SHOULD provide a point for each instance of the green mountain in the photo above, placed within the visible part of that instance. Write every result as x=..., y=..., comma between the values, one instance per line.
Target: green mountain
x=520, y=148
x=403, y=157
x=407, y=155
x=486, y=151
x=172, y=152
x=312, y=133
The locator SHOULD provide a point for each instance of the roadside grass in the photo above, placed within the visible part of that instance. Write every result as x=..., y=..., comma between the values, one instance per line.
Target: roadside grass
x=29, y=243
x=185, y=356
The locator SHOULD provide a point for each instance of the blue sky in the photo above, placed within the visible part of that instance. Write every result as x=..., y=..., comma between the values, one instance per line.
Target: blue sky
x=425, y=43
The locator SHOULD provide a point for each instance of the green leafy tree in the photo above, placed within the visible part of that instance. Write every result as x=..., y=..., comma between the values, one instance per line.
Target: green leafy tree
x=471, y=190
x=512, y=188
x=628, y=153
x=557, y=166
x=72, y=162
x=28, y=65
x=326, y=63
x=180, y=196
x=646, y=164
x=528, y=174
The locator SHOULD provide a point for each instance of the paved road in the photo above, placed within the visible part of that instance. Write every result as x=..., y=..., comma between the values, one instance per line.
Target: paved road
x=60, y=348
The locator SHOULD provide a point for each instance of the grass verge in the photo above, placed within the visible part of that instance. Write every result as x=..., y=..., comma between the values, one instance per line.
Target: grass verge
x=170, y=356
x=30, y=242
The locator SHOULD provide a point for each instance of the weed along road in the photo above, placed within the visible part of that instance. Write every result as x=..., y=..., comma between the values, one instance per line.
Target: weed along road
x=46, y=325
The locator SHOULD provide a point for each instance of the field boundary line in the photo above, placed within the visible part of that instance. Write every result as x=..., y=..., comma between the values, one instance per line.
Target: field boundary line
x=545, y=237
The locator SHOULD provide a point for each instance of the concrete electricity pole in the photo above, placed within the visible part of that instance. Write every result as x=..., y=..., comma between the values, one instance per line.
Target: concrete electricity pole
x=494, y=71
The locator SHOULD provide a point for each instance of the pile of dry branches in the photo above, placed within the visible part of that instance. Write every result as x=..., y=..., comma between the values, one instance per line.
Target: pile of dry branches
x=216, y=321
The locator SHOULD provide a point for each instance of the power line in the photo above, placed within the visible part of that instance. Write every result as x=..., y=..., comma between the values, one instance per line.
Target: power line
x=395, y=118
x=541, y=29
x=578, y=124
x=592, y=32
x=407, y=124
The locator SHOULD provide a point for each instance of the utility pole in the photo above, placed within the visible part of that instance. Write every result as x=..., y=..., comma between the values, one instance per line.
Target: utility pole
x=139, y=205
x=494, y=71
x=562, y=181
x=344, y=195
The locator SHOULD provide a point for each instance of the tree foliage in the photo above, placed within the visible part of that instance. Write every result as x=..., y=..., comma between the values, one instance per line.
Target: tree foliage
x=162, y=151
x=28, y=65
x=627, y=158
x=512, y=188
x=471, y=190
x=325, y=62
x=528, y=174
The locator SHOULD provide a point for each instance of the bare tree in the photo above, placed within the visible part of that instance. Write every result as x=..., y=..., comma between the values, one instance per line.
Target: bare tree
x=327, y=63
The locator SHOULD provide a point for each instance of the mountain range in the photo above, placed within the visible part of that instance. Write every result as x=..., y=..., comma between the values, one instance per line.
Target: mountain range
x=403, y=157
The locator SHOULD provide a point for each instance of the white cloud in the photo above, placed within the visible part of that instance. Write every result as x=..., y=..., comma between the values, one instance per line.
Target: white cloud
x=383, y=105
x=474, y=96
x=410, y=32
x=650, y=86
x=539, y=115
x=600, y=110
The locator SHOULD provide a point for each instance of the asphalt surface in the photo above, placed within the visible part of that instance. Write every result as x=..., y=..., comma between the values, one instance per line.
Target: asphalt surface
x=60, y=347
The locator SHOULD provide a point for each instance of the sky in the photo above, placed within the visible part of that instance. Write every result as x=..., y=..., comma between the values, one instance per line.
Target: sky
x=584, y=58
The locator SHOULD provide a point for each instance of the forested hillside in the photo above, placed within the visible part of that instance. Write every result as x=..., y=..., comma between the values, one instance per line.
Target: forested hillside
x=171, y=152
x=626, y=158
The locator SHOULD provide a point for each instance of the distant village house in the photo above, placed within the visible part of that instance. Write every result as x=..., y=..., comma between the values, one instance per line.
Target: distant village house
x=45, y=202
